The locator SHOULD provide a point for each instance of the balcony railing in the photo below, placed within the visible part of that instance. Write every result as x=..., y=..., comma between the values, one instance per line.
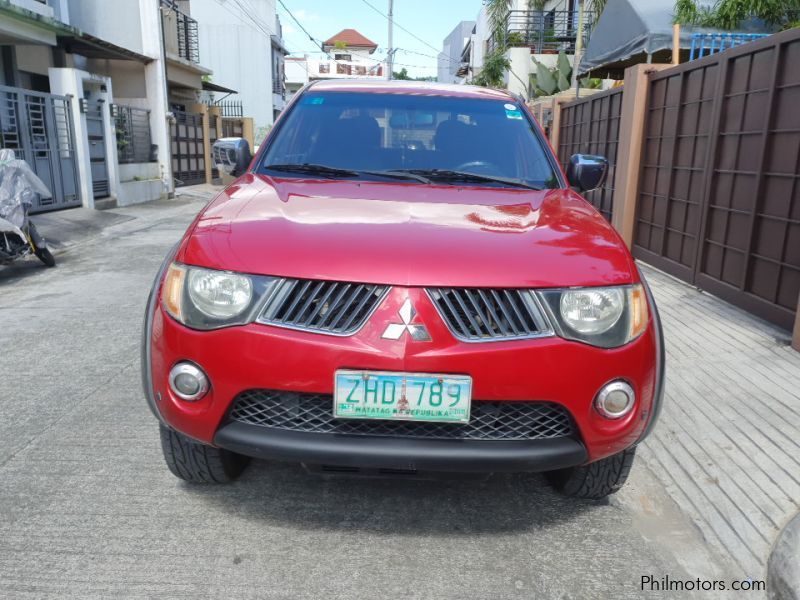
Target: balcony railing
x=705, y=44
x=180, y=32
x=544, y=32
x=230, y=108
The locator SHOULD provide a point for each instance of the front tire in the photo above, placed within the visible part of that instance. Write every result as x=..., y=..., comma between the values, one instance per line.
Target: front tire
x=44, y=255
x=199, y=463
x=595, y=480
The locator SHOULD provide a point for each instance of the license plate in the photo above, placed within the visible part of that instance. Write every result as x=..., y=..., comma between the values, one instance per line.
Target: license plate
x=402, y=396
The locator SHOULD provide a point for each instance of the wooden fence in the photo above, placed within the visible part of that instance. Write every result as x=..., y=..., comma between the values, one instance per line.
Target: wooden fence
x=591, y=126
x=706, y=184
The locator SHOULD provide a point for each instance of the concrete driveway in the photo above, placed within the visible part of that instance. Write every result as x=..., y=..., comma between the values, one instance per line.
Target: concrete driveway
x=88, y=509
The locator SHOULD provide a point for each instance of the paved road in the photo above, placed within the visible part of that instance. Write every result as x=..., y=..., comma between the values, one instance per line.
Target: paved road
x=88, y=509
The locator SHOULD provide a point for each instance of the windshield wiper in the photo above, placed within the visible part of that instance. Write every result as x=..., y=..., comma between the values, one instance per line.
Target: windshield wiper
x=398, y=174
x=312, y=169
x=315, y=169
x=448, y=175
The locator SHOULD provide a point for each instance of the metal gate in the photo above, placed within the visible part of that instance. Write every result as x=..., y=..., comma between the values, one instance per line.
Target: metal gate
x=38, y=127
x=95, y=131
x=719, y=192
x=591, y=126
x=188, y=151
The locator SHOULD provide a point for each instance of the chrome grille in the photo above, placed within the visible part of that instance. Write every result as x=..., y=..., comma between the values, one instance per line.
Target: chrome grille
x=477, y=314
x=332, y=307
x=313, y=413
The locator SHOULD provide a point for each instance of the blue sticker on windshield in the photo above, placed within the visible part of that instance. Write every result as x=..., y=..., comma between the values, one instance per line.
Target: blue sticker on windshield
x=514, y=114
x=313, y=100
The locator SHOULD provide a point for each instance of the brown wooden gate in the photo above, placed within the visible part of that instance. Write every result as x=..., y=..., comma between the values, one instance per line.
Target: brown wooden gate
x=232, y=127
x=719, y=192
x=188, y=150
x=591, y=126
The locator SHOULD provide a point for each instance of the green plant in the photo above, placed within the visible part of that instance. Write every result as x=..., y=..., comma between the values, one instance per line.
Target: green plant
x=729, y=14
x=339, y=45
x=494, y=68
x=548, y=81
x=401, y=74
x=515, y=38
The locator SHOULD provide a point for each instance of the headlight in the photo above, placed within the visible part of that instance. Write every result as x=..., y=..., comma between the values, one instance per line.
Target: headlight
x=209, y=299
x=592, y=312
x=218, y=294
x=607, y=317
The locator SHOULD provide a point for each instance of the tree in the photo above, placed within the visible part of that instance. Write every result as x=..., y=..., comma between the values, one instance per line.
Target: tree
x=495, y=63
x=729, y=14
x=402, y=74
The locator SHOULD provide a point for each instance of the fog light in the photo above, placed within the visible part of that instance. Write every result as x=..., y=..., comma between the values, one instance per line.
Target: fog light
x=615, y=400
x=188, y=382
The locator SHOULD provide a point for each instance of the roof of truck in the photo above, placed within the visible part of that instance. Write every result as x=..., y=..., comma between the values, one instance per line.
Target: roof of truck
x=409, y=87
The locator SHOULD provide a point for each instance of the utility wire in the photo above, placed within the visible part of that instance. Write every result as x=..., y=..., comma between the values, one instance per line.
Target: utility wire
x=337, y=61
x=299, y=24
x=396, y=24
x=259, y=24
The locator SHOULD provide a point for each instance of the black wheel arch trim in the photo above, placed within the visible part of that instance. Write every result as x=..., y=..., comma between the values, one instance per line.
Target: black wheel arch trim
x=147, y=331
x=658, y=394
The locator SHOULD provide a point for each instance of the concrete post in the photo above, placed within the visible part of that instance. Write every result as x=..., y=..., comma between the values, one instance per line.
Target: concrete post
x=629, y=153
x=519, y=74
x=155, y=76
x=555, y=128
x=80, y=84
x=215, y=123
x=248, y=132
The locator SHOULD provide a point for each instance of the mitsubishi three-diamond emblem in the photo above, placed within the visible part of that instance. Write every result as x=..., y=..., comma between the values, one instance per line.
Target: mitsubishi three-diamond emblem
x=418, y=332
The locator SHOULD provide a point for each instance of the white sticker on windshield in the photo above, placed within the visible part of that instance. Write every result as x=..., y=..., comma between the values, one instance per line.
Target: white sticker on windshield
x=510, y=107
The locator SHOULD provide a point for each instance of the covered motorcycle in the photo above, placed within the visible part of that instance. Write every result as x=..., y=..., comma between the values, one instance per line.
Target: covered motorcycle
x=19, y=187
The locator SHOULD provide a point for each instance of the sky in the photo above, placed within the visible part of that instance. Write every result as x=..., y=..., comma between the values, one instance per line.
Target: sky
x=429, y=20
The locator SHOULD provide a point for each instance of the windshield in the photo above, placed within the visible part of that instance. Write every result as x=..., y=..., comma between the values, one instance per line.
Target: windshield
x=436, y=138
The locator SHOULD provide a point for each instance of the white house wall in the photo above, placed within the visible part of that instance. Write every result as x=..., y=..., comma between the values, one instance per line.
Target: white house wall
x=479, y=38
x=118, y=22
x=239, y=53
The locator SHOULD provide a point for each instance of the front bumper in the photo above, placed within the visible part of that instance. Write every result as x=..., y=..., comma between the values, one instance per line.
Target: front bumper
x=259, y=356
x=401, y=453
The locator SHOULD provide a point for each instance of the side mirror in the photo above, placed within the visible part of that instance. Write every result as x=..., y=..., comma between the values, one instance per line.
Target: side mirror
x=587, y=172
x=231, y=155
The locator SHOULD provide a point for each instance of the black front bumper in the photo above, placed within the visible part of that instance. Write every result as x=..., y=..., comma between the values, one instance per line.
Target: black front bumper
x=377, y=452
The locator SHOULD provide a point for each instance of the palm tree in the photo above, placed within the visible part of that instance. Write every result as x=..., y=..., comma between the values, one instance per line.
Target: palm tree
x=498, y=11
x=729, y=14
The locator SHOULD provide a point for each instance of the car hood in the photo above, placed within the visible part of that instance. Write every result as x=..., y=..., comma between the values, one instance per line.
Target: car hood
x=407, y=234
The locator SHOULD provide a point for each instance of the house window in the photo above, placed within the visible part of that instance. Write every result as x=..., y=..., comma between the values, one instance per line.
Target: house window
x=343, y=56
x=326, y=68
